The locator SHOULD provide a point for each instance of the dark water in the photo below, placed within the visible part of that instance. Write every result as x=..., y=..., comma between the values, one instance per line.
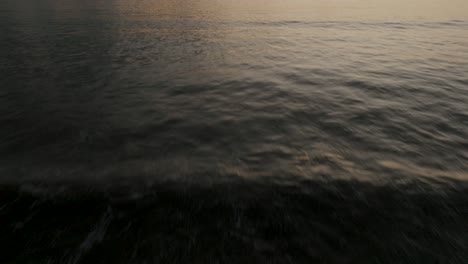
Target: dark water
x=213, y=131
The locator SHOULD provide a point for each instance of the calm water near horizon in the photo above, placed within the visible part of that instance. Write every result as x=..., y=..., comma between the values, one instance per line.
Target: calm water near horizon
x=217, y=131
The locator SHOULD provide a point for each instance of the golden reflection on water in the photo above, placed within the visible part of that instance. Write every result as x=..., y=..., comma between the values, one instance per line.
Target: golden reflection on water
x=301, y=10
x=266, y=10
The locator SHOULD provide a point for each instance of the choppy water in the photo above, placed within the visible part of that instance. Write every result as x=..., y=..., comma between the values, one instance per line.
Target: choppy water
x=255, y=131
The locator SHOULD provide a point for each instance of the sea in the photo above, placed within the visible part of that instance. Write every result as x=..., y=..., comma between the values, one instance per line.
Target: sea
x=233, y=131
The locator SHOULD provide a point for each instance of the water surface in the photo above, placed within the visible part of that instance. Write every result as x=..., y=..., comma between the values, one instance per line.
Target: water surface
x=351, y=117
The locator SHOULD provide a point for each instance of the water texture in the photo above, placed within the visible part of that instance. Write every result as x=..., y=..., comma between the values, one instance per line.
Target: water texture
x=213, y=131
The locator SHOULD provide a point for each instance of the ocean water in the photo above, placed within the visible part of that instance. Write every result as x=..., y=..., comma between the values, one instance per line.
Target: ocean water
x=218, y=131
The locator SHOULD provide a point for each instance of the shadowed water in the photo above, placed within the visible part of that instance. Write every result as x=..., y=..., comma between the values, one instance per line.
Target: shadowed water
x=217, y=131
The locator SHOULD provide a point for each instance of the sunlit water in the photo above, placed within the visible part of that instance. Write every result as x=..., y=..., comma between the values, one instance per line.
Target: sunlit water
x=216, y=130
